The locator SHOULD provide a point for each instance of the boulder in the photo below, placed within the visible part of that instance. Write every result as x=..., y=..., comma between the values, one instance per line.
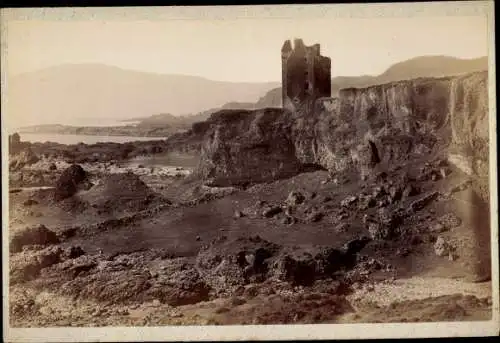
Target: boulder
x=295, y=198
x=38, y=235
x=348, y=201
x=30, y=202
x=410, y=191
x=423, y=201
x=27, y=265
x=271, y=211
x=394, y=194
x=442, y=247
x=314, y=216
x=25, y=157
x=69, y=181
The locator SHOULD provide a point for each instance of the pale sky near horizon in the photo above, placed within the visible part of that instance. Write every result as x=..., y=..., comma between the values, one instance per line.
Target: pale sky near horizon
x=235, y=46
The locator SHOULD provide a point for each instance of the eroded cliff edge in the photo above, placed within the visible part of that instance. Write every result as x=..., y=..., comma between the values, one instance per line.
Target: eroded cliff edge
x=362, y=129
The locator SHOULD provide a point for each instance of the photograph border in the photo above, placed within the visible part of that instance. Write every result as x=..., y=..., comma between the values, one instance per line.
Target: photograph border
x=270, y=332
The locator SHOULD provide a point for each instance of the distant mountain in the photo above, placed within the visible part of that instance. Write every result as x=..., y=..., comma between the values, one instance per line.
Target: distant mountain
x=432, y=66
x=65, y=94
x=424, y=66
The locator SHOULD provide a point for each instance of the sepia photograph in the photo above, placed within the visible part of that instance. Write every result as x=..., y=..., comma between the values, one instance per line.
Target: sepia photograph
x=249, y=172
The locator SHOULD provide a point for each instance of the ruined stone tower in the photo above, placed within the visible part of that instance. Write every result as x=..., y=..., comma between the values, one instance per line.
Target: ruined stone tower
x=305, y=75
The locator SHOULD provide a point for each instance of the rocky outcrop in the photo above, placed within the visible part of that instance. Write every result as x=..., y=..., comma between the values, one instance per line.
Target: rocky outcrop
x=378, y=125
x=25, y=157
x=469, y=123
x=243, y=147
x=69, y=182
x=38, y=235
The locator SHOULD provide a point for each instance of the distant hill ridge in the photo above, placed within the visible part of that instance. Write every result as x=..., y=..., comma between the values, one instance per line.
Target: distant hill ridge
x=423, y=66
x=52, y=94
x=56, y=95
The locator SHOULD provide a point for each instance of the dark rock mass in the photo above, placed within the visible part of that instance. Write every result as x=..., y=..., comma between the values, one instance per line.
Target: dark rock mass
x=244, y=147
x=68, y=182
x=379, y=125
x=38, y=235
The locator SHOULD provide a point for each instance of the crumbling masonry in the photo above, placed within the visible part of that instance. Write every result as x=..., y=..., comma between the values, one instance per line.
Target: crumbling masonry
x=306, y=75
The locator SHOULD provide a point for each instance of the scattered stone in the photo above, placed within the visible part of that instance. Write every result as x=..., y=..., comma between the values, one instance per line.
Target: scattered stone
x=68, y=182
x=30, y=202
x=378, y=231
x=366, y=201
x=326, y=199
x=342, y=215
x=288, y=220
x=437, y=227
x=442, y=162
x=73, y=252
x=354, y=246
x=314, y=216
x=419, y=204
x=198, y=238
x=445, y=172
x=35, y=235
x=238, y=214
x=236, y=301
x=394, y=194
x=342, y=227
x=383, y=202
x=348, y=201
x=295, y=198
x=434, y=176
x=24, y=158
x=271, y=211
x=381, y=176
x=415, y=240
x=378, y=192
x=409, y=191
x=461, y=187
x=450, y=221
x=442, y=247
x=384, y=227
x=27, y=265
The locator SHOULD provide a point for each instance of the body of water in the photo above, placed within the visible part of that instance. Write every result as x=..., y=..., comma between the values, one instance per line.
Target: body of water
x=75, y=139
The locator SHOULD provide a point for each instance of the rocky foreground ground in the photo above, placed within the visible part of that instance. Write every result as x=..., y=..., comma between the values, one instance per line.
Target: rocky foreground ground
x=105, y=245
x=373, y=209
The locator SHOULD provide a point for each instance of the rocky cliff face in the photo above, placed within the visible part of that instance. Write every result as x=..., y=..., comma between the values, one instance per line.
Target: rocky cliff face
x=243, y=147
x=378, y=125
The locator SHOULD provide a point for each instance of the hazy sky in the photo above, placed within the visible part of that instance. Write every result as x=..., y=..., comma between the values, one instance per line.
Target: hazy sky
x=239, y=44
